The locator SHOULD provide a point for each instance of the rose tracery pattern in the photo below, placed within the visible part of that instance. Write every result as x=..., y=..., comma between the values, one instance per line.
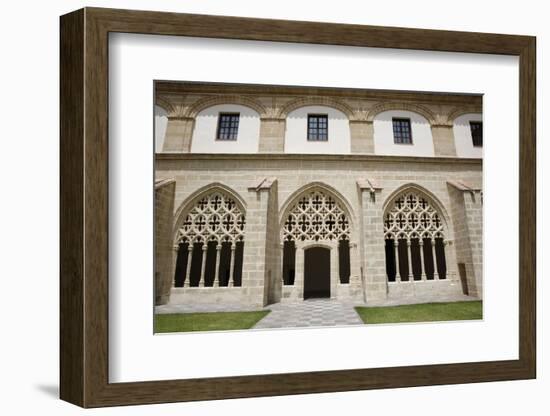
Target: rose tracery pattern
x=316, y=216
x=214, y=217
x=412, y=216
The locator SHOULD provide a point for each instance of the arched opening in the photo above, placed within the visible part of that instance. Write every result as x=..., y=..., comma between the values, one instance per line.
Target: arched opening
x=317, y=272
x=210, y=242
x=414, y=233
x=316, y=216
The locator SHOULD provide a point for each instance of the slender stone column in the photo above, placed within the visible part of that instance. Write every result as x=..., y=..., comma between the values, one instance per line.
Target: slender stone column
x=175, y=251
x=450, y=260
x=422, y=263
x=396, y=251
x=232, y=266
x=337, y=262
x=334, y=268
x=299, y=271
x=187, y=281
x=435, y=259
x=217, y=271
x=409, y=258
x=283, y=263
x=445, y=253
x=203, y=266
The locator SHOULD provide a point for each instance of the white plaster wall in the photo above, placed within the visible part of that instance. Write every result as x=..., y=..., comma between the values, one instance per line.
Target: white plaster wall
x=422, y=141
x=161, y=121
x=338, y=142
x=206, y=124
x=463, y=136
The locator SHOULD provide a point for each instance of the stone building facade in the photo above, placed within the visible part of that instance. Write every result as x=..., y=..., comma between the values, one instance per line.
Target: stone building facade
x=286, y=193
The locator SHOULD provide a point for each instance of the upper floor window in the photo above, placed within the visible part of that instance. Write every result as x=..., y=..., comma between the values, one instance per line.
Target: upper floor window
x=476, y=128
x=317, y=127
x=402, y=133
x=228, y=126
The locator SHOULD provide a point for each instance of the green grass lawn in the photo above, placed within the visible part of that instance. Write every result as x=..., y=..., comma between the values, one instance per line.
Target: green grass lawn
x=425, y=312
x=208, y=321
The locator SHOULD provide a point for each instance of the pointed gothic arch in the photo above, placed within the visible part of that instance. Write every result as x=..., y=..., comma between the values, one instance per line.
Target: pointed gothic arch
x=209, y=238
x=311, y=187
x=415, y=232
x=313, y=216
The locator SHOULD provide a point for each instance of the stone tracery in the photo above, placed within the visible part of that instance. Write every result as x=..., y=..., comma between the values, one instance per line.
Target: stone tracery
x=214, y=218
x=316, y=216
x=412, y=216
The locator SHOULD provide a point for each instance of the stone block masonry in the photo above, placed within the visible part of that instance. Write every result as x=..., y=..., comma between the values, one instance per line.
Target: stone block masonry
x=269, y=183
x=164, y=214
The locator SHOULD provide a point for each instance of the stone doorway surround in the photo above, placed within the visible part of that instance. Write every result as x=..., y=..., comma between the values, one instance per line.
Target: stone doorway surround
x=296, y=291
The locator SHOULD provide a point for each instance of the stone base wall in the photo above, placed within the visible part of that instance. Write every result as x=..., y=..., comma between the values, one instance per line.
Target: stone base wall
x=214, y=295
x=423, y=288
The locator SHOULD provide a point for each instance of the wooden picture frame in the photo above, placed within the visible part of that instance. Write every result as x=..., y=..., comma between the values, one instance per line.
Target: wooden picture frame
x=84, y=207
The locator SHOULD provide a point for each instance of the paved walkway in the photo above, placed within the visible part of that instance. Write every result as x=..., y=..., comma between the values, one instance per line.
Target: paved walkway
x=311, y=312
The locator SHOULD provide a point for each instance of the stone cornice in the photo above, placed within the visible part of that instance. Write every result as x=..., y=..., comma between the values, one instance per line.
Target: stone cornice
x=169, y=87
x=313, y=157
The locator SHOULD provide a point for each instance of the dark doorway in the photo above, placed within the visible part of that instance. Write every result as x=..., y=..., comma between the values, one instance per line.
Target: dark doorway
x=317, y=273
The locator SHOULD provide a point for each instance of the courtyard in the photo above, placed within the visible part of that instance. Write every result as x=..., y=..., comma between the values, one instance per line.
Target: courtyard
x=316, y=312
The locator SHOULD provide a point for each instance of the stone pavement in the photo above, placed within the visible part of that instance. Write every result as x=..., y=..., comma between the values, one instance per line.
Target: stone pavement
x=311, y=312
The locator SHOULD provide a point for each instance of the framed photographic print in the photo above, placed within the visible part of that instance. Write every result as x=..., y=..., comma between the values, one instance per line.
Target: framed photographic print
x=255, y=207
